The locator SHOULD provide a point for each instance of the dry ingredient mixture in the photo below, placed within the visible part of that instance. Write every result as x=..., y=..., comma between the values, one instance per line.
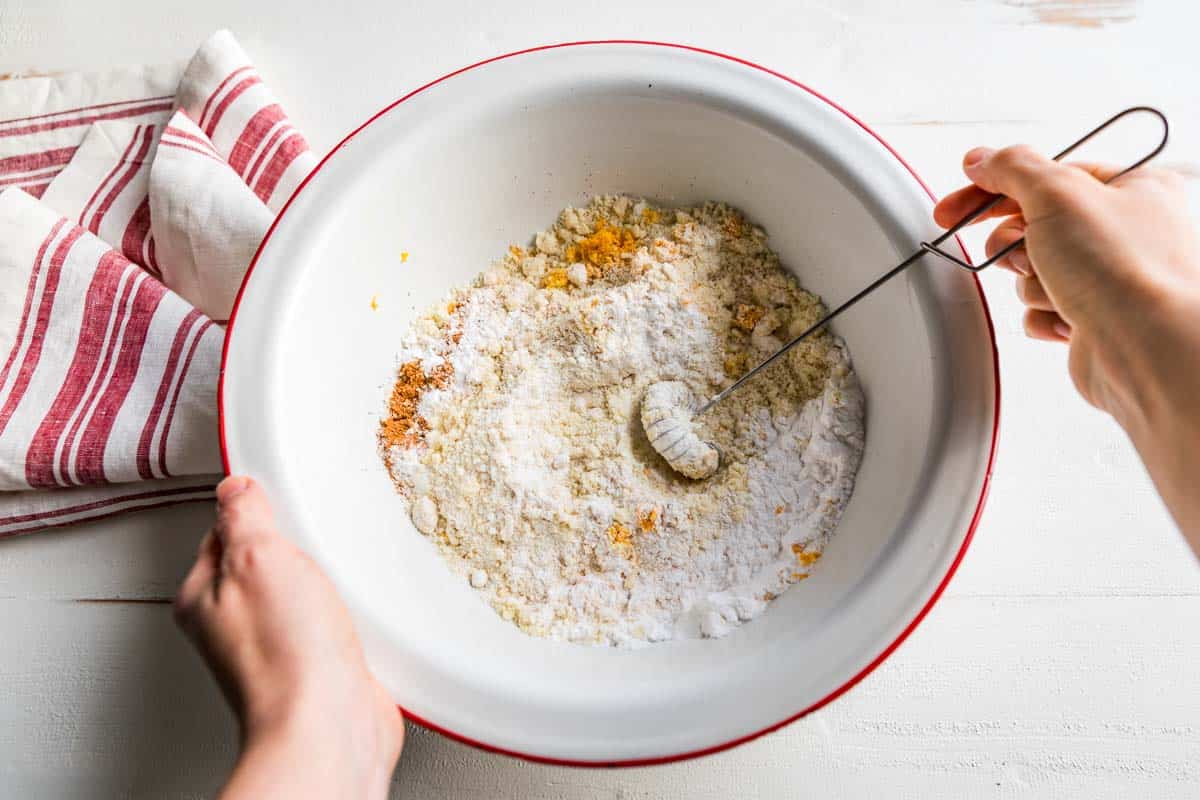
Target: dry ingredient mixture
x=513, y=427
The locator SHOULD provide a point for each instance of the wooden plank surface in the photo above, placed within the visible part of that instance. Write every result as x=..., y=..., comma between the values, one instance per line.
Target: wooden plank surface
x=1061, y=662
x=1041, y=697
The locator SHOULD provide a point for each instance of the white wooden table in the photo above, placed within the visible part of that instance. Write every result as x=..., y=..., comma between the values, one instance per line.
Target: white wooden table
x=1063, y=661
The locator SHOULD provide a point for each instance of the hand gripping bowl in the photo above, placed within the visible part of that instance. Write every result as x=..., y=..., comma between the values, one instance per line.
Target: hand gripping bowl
x=455, y=172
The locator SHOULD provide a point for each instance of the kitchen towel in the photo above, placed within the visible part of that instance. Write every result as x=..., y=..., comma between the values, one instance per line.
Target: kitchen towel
x=131, y=203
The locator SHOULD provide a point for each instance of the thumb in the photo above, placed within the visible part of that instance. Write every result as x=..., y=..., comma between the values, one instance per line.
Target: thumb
x=1022, y=173
x=243, y=513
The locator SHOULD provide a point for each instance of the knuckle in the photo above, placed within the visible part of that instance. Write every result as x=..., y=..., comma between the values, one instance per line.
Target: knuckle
x=1014, y=156
x=1168, y=178
x=245, y=558
x=236, y=513
x=1175, y=181
x=229, y=516
x=1058, y=187
x=1172, y=184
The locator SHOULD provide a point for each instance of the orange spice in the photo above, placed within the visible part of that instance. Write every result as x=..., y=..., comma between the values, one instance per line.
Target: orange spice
x=619, y=535
x=805, y=558
x=747, y=316
x=602, y=247
x=650, y=215
x=555, y=279
x=403, y=426
x=778, y=510
x=647, y=519
x=403, y=256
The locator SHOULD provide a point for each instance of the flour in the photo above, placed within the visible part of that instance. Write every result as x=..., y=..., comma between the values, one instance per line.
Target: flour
x=515, y=429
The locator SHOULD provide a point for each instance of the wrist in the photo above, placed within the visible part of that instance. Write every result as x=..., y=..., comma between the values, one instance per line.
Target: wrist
x=299, y=761
x=325, y=739
x=1148, y=358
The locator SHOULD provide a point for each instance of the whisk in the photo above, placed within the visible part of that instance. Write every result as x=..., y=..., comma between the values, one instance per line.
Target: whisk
x=670, y=409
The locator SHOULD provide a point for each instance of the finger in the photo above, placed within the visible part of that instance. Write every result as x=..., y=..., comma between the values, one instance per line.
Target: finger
x=243, y=513
x=1033, y=294
x=1005, y=234
x=201, y=578
x=1099, y=171
x=1046, y=326
x=958, y=204
x=1038, y=184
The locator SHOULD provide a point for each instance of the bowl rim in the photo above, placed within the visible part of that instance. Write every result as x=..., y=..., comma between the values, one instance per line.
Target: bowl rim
x=987, y=476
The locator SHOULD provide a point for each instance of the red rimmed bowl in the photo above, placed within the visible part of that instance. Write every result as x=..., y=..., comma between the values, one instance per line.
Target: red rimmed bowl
x=454, y=172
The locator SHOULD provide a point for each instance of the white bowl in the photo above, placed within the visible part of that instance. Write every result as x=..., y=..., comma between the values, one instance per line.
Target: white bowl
x=459, y=169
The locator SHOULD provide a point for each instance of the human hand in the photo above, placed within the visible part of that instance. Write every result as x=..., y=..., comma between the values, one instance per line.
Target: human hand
x=1114, y=271
x=281, y=644
x=1102, y=265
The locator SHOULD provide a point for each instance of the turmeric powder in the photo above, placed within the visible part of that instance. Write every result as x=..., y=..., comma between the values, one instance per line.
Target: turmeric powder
x=804, y=557
x=619, y=535
x=647, y=519
x=602, y=247
x=555, y=279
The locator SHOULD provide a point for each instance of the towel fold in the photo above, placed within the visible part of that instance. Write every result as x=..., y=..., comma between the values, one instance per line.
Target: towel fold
x=131, y=203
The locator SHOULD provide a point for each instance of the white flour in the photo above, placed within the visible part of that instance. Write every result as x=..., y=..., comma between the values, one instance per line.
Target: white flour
x=525, y=460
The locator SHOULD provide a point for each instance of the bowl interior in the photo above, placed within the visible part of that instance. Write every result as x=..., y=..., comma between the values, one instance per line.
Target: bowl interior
x=455, y=174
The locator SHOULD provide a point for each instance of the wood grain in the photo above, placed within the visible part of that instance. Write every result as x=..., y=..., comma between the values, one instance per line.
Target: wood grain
x=1037, y=697
x=1061, y=662
x=1078, y=13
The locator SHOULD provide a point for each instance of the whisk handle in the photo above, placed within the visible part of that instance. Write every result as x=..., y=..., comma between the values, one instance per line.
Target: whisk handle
x=935, y=246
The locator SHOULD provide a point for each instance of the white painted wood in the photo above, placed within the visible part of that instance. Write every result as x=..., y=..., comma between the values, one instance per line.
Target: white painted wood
x=138, y=556
x=1062, y=661
x=1042, y=697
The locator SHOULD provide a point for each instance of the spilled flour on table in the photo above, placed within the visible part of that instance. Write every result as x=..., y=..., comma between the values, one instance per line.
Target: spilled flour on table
x=513, y=427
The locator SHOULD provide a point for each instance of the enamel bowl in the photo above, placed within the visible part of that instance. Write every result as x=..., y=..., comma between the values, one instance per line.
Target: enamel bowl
x=452, y=174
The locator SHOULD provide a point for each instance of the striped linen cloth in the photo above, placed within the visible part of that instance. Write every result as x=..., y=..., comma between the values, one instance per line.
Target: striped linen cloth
x=131, y=202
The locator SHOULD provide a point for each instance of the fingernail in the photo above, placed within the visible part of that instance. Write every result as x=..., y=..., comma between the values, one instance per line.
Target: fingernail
x=1019, y=260
x=231, y=487
x=975, y=156
x=1062, y=329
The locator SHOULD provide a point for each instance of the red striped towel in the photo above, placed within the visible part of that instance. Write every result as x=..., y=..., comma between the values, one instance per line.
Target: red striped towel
x=131, y=202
